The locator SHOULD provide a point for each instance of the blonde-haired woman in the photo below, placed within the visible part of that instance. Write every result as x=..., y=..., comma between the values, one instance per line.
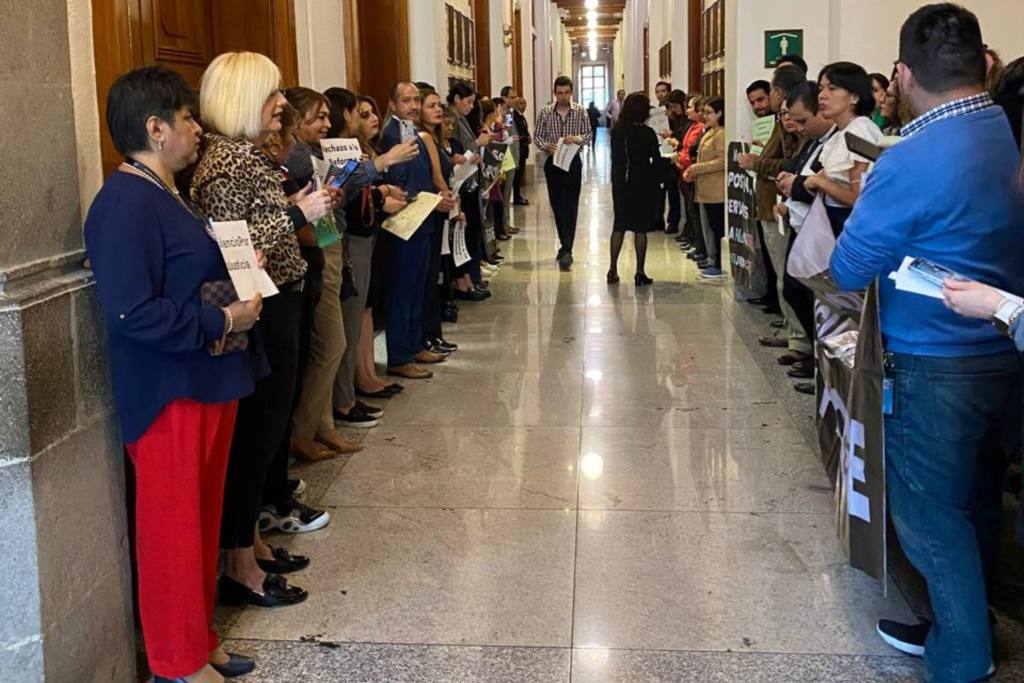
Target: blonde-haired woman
x=242, y=104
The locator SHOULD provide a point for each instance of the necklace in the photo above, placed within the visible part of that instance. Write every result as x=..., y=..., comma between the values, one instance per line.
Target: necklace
x=144, y=171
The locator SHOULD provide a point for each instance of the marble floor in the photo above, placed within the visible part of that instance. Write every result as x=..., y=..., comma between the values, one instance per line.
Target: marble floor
x=603, y=484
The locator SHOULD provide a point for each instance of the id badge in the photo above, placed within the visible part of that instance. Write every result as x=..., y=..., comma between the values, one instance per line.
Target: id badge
x=887, y=396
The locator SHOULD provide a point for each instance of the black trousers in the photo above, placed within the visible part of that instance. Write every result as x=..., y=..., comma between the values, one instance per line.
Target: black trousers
x=716, y=226
x=564, y=195
x=772, y=292
x=517, y=181
x=670, y=191
x=431, y=298
x=799, y=297
x=691, y=212
x=263, y=420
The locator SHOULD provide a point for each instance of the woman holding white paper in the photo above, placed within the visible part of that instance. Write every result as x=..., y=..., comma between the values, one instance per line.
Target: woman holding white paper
x=235, y=180
x=175, y=388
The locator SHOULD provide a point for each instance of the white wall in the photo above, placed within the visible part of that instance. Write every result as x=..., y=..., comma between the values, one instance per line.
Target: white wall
x=320, y=42
x=501, y=56
x=861, y=31
x=428, y=43
x=633, y=20
x=680, y=45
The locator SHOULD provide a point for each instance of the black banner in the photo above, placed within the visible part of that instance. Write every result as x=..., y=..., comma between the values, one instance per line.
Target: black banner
x=491, y=157
x=741, y=209
x=851, y=428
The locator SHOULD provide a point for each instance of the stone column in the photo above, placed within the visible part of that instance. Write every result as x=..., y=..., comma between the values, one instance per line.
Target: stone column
x=66, y=608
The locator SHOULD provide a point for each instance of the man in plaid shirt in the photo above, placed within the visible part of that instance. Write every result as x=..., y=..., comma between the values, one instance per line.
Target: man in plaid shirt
x=568, y=121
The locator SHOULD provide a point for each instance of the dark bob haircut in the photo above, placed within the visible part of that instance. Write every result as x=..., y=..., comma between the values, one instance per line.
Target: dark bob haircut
x=677, y=97
x=882, y=81
x=855, y=80
x=137, y=96
x=461, y=90
x=942, y=45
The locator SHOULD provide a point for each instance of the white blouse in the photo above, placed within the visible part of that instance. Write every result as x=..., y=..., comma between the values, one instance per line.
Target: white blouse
x=836, y=158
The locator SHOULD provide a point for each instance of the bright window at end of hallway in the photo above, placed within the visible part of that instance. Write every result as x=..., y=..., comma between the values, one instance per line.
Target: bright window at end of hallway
x=593, y=85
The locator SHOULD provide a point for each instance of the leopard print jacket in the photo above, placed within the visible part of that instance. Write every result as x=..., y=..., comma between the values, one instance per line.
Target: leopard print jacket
x=236, y=181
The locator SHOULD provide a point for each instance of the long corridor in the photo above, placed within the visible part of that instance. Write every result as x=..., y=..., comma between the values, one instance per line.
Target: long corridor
x=602, y=484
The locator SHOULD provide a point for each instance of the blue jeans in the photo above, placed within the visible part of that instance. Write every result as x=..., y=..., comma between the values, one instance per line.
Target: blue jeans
x=955, y=423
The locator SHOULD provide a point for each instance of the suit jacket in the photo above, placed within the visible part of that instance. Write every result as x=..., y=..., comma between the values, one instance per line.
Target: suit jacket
x=782, y=146
x=523, y=127
x=414, y=176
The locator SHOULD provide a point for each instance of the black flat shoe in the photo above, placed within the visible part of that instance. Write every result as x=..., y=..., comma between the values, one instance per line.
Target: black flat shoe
x=641, y=280
x=612, y=278
x=397, y=388
x=276, y=593
x=504, y=237
x=471, y=295
x=237, y=665
x=386, y=392
x=283, y=562
x=161, y=679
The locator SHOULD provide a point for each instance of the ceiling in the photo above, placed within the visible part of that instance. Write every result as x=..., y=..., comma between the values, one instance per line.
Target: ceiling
x=574, y=17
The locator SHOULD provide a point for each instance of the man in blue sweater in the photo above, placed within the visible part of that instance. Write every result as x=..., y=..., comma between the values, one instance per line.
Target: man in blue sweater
x=946, y=193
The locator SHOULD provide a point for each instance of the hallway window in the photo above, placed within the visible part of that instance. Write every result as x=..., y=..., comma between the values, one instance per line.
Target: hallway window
x=593, y=85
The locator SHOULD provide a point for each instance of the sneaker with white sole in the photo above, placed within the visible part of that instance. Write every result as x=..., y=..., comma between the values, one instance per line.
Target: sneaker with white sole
x=712, y=273
x=372, y=411
x=356, y=418
x=907, y=638
x=299, y=520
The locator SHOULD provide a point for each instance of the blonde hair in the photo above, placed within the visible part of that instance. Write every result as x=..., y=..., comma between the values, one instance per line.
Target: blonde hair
x=233, y=91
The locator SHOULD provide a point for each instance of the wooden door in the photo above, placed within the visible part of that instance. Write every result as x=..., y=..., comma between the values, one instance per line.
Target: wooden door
x=517, y=51
x=384, y=25
x=695, y=46
x=482, y=30
x=184, y=35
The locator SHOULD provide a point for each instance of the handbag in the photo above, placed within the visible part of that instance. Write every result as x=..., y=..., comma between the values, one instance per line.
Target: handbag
x=221, y=293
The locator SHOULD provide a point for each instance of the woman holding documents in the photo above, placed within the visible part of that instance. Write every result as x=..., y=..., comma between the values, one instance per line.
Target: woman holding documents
x=637, y=170
x=176, y=384
x=846, y=100
x=708, y=172
x=235, y=180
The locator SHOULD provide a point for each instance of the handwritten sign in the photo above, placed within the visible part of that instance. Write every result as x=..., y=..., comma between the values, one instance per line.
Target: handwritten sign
x=240, y=258
x=406, y=222
x=339, y=150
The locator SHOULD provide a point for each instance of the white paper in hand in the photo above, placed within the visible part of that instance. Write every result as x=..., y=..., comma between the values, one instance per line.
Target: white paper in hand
x=446, y=242
x=460, y=254
x=240, y=258
x=565, y=153
x=339, y=150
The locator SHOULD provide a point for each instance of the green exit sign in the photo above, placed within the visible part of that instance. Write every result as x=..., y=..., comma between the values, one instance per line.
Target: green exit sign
x=782, y=42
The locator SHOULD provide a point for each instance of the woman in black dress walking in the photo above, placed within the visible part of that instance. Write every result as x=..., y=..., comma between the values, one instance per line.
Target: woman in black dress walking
x=637, y=170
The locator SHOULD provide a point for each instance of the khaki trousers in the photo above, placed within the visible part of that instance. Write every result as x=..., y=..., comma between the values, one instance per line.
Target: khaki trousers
x=315, y=410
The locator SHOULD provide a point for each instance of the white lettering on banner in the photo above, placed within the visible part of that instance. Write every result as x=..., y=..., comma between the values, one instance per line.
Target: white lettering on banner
x=857, y=504
x=740, y=181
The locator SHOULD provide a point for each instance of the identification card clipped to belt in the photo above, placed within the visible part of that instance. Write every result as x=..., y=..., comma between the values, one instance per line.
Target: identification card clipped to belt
x=888, y=385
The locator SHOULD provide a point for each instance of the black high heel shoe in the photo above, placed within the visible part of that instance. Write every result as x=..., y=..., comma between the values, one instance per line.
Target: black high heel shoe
x=642, y=280
x=276, y=593
x=283, y=563
x=612, y=278
x=237, y=665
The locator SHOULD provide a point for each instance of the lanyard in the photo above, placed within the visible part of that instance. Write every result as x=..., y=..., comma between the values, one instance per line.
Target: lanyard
x=150, y=175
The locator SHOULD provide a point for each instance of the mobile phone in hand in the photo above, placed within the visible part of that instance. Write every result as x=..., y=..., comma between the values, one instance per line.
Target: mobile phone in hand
x=933, y=272
x=337, y=177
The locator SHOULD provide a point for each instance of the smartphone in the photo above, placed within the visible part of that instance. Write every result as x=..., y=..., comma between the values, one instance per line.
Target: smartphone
x=336, y=177
x=933, y=272
x=859, y=145
x=408, y=130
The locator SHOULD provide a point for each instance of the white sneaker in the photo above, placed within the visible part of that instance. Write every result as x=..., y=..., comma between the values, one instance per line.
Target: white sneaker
x=299, y=520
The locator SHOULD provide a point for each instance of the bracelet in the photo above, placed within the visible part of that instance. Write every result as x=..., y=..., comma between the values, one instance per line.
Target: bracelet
x=230, y=324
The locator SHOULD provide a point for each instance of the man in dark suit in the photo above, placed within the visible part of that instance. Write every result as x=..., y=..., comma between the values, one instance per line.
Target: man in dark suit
x=409, y=258
x=518, y=105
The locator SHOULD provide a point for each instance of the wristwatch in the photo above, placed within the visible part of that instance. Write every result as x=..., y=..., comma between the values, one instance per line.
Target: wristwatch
x=1006, y=315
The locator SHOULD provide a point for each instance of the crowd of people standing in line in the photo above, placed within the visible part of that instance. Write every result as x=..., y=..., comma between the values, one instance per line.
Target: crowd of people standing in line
x=214, y=395
x=953, y=419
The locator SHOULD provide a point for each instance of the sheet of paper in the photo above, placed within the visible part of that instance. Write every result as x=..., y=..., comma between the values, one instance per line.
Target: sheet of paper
x=446, y=244
x=667, y=150
x=240, y=258
x=406, y=222
x=339, y=150
x=460, y=254
x=658, y=120
x=320, y=169
x=908, y=281
x=508, y=163
x=565, y=153
x=464, y=172
x=761, y=130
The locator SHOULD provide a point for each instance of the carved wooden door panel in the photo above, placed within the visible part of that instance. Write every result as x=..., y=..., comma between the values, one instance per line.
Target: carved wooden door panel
x=177, y=34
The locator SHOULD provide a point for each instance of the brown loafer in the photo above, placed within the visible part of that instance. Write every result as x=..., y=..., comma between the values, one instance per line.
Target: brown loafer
x=773, y=342
x=311, y=451
x=410, y=371
x=335, y=443
x=430, y=358
x=792, y=358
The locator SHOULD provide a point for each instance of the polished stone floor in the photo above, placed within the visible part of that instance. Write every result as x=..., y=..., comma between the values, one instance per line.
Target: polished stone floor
x=603, y=484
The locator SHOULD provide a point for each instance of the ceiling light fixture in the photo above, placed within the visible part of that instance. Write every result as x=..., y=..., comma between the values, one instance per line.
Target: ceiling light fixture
x=592, y=15
x=590, y=4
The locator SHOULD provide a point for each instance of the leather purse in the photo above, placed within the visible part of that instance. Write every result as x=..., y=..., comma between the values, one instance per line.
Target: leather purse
x=221, y=293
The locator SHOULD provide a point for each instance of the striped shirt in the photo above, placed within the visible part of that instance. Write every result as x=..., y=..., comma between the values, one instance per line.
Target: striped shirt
x=964, y=105
x=552, y=126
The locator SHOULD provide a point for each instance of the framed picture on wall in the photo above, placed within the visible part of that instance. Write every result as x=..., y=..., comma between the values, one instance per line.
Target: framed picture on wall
x=469, y=37
x=721, y=28
x=460, y=54
x=705, y=34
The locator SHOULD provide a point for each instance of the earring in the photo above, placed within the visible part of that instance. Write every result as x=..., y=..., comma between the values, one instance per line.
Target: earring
x=160, y=145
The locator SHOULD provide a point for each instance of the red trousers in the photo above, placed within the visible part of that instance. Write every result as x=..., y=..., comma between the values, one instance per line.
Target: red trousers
x=180, y=464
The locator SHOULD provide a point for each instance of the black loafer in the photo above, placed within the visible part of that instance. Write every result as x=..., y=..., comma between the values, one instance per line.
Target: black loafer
x=276, y=593
x=397, y=388
x=443, y=343
x=471, y=295
x=237, y=665
x=283, y=562
x=386, y=392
